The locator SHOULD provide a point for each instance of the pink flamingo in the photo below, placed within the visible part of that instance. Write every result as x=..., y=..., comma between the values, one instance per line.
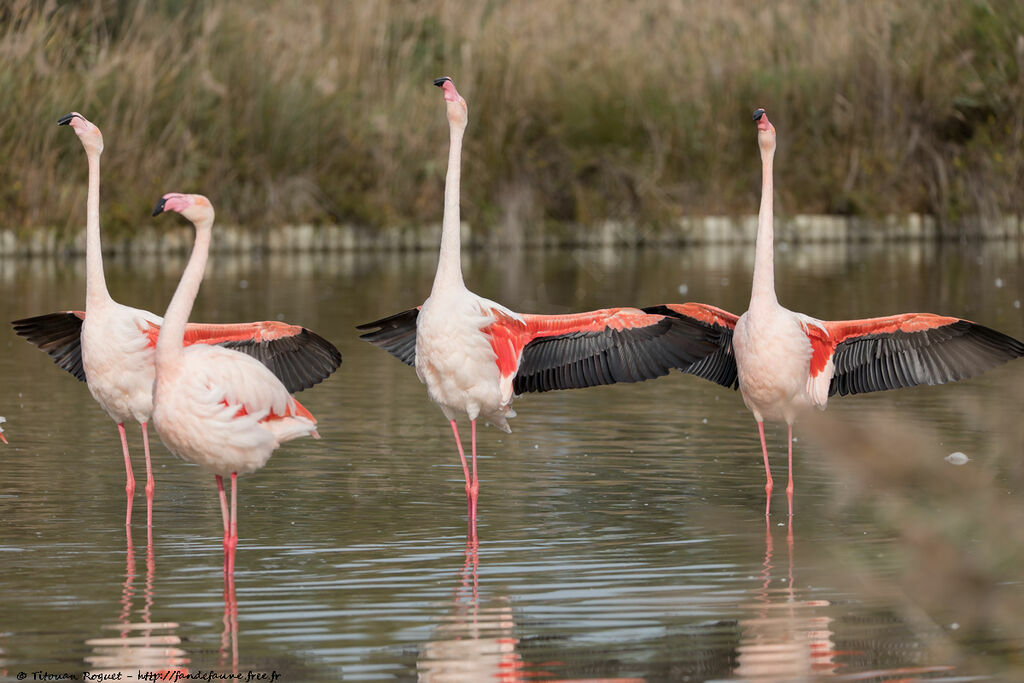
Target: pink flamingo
x=111, y=346
x=785, y=362
x=475, y=354
x=2, y=437
x=215, y=407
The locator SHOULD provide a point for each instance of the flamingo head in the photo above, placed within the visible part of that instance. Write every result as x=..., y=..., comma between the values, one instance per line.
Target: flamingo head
x=88, y=132
x=765, y=131
x=458, y=111
x=194, y=207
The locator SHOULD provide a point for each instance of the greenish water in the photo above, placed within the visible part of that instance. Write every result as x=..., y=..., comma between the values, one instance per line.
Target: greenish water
x=621, y=529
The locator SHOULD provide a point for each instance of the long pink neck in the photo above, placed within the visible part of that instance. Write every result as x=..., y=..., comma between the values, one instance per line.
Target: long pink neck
x=171, y=341
x=449, y=262
x=763, y=289
x=95, y=284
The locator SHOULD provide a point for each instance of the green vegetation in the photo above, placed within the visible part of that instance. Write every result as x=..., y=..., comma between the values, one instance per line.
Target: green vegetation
x=321, y=111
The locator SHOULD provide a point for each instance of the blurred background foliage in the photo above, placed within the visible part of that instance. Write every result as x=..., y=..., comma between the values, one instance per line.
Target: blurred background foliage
x=292, y=111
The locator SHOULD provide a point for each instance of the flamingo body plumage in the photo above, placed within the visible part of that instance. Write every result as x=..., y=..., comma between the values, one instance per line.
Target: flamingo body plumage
x=225, y=411
x=118, y=360
x=456, y=357
x=773, y=355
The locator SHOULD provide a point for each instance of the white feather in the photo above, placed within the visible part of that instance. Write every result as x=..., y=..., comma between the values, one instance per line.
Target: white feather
x=198, y=405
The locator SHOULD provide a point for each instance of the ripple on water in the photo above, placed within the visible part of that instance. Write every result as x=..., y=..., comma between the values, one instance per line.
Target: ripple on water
x=621, y=528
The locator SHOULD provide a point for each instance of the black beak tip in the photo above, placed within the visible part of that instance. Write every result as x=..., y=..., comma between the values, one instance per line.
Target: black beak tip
x=440, y=81
x=65, y=120
x=159, y=209
x=758, y=113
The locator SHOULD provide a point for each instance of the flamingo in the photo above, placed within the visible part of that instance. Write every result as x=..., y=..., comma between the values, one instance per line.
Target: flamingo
x=2, y=437
x=785, y=362
x=111, y=346
x=215, y=407
x=474, y=354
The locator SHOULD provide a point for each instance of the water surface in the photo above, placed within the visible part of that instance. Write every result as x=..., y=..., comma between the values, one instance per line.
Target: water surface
x=621, y=529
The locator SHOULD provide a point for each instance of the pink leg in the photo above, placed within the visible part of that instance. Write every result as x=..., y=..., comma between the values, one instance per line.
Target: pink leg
x=223, y=510
x=474, y=488
x=233, y=540
x=150, y=482
x=465, y=467
x=767, y=470
x=789, y=487
x=129, y=487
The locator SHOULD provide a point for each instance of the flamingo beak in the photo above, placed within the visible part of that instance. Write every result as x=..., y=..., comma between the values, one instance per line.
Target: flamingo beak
x=758, y=113
x=159, y=209
x=439, y=82
x=65, y=120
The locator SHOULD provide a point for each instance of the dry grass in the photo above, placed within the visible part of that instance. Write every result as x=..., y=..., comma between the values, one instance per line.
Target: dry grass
x=322, y=111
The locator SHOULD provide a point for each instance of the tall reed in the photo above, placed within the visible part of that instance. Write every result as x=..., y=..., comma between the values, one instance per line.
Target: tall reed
x=322, y=111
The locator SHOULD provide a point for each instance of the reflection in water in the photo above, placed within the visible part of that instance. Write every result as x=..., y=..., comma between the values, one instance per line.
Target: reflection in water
x=473, y=643
x=229, y=637
x=143, y=645
x=789, y=639
x=786, y=639
x=478, y=642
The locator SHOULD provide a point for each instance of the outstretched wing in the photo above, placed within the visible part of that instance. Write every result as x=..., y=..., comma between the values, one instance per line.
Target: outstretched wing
x=300, y=358
x=607, y=346
x=907, y=350
x=396, y=335
x=59, y=335
x=720, y=365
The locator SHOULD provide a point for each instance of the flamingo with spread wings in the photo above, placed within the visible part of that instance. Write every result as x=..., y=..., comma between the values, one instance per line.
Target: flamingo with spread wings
x=785, y=362
x=111, y=346
x=218, y=408
x=474, y=354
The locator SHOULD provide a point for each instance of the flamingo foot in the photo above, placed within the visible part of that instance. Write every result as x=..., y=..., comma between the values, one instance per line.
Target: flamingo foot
x=230, y=546
x=472, y=494
x=128, y=509
x=790, y=487
x=150, y=488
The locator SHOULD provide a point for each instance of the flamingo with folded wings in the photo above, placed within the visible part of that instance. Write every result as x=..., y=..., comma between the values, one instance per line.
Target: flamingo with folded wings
x=215, y=407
